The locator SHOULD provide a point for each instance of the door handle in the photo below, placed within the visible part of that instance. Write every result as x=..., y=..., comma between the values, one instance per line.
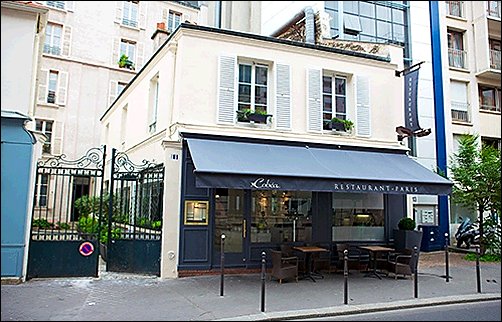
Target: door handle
x=244, y=228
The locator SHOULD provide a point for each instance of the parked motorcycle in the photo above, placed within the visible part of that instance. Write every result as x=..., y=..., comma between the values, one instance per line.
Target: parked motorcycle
x=467, y=233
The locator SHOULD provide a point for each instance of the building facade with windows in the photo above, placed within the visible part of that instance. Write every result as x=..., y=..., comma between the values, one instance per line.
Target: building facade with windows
x=471, y=47
x=241, y=126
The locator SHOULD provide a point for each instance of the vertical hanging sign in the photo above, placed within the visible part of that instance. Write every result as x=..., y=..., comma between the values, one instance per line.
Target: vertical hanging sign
x=410, y=100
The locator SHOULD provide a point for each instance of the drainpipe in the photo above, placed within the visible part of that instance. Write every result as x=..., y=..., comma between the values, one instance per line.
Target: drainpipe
x=309, y=25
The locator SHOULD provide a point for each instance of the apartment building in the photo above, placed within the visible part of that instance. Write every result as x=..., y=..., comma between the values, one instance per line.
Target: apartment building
x=471, y=45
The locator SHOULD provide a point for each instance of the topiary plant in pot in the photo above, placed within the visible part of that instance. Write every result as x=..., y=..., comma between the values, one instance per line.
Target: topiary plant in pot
x=406, y=236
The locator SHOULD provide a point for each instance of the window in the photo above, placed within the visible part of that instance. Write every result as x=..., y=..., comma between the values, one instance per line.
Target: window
x=153, y=106
x=130, y=13
x=120, y=87
x=253, y=87
x=456, y=53
x=53, y=35
x=358, y=217
x=41, y=190
x=56, y=4
x=173, y=21
x=196, y=212
x=494, y=9
x=128, y=48
x=333, y=99
x=489, y=98
x=281, y=216
x=53, y=85
x=46, y=128
x=459, y=103
x=455, y=8
x=493, y=142
x=495, y=62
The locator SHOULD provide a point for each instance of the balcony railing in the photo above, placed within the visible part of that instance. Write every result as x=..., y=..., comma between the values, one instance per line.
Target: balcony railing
x=130, y=22
x=456, y=58
x=492, y=108
x=455, y=8
x=460, y=112
x=53, y=50
x=495, y=59
x=493, y=9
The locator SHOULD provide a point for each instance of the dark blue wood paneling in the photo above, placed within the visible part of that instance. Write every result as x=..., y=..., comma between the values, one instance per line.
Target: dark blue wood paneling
x=134, y=256
x=196, y=248
x=61, y=259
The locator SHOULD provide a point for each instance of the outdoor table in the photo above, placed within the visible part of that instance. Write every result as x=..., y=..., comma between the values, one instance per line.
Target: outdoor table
x=374, y=250
x=309, y=250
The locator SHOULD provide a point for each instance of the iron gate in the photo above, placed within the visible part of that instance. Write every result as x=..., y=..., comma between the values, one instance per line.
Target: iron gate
x=66, y=218
x=134, y=216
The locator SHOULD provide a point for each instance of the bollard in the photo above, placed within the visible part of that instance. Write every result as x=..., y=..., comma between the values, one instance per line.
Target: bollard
x=478, y=273
x=222, y=263
x=446, y=259
x=415, y=253
x=263, y=281
x=345, y=277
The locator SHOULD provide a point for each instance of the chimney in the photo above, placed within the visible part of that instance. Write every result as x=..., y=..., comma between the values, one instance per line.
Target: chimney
x=309, y=25
x=160, y=35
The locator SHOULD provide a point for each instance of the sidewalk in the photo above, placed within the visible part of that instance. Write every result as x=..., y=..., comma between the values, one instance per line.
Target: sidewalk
x=127, y=297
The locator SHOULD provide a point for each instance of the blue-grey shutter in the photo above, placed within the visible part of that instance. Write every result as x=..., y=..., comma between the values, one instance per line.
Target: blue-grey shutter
x=226, y=90
x=363, y=115
x=314, y=111
x=283, y=97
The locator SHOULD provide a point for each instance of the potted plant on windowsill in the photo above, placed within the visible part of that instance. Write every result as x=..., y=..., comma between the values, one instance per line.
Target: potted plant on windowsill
x=124, y=62
x=248, y=115
x=341, y=125
x=406, y=236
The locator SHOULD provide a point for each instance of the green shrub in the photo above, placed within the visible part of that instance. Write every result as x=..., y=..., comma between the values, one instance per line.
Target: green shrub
x=157, y=224
x=116, y=234
x=63, y=225
x=89, y=225
x=42, y=223
x=406, y=223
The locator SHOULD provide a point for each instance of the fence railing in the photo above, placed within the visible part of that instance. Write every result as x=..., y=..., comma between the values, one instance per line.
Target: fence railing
x=495, y=59
x=460, y=112
x=457, y=58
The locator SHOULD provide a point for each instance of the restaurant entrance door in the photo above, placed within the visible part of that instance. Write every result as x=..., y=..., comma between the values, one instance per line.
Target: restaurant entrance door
x=230, y=220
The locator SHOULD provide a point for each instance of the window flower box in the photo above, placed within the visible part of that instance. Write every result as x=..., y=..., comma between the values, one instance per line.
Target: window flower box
x=248, y=115
x=340, y=125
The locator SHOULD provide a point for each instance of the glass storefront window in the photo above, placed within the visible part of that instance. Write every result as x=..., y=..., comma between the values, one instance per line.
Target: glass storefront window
x=229, y=214
x=281, y=216
x=358, y=217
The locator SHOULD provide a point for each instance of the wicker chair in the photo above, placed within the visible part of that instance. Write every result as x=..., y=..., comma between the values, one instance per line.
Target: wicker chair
x=404, y=263
x=288, y=251
x=357, y=259
x=284, y=267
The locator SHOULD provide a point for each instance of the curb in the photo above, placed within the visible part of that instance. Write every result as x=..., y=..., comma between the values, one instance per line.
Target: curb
x=366, y=308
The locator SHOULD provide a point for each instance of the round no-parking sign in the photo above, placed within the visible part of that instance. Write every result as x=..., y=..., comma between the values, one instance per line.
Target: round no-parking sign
x=86, y=248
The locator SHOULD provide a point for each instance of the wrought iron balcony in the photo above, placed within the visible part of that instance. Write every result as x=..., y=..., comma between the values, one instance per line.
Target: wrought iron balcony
x=457, y=58
x=455, y=8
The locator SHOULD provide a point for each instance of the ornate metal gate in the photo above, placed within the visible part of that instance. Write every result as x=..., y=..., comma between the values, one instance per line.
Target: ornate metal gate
x=134, y=216
x=66, y=219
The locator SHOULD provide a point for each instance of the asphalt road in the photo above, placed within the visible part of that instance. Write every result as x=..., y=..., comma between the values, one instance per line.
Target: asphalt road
x=479, y=311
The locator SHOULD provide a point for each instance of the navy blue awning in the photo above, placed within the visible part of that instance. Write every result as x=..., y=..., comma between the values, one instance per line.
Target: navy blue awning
x=240, y=165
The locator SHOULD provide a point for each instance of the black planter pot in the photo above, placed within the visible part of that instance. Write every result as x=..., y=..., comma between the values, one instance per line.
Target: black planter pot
x=258, y=118
x=407, y=239
x=337, y=126
x=102, y=250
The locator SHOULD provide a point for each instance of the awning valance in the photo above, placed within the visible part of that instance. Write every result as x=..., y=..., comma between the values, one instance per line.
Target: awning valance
x=242, y=165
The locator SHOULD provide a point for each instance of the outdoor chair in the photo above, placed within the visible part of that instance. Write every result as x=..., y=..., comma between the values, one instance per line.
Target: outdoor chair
x=356, y=258
x=284, y=267
x=403, y=263
x=322, y=260
x=288, y=251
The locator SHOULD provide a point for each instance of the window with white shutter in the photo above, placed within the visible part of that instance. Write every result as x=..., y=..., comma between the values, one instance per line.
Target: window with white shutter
x=173, y=20
x=130, y=13
x=46, y=127
x=226, y=90
x=53, y=39
x=459, y=103
x=334, y=99
x=43, y=78
x=363, y=115
x=283, y=97
x=62, y=88
x=153, y=104
x=66, y=47
x=314, y=111
x=57, y=142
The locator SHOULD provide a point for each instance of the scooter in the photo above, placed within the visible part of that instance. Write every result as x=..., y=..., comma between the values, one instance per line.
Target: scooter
x=467, y=233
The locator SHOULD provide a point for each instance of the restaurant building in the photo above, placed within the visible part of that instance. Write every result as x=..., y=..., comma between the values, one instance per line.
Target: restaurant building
x=243, y=125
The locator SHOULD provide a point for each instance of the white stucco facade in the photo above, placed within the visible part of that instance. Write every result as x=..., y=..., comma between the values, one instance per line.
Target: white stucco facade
x=188, y=69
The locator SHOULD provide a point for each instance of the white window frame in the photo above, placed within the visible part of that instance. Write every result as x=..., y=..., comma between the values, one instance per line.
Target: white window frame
x=49, y=46
x=127, y=14
x=152, y=126
x=127, y=45
x=52, y=85
x=38, y=189
x=252, y=104
x=41, y=125
x=120, y=87
x=497, y=98
x=171, y=20
x=334, y=77
x=61, y=5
